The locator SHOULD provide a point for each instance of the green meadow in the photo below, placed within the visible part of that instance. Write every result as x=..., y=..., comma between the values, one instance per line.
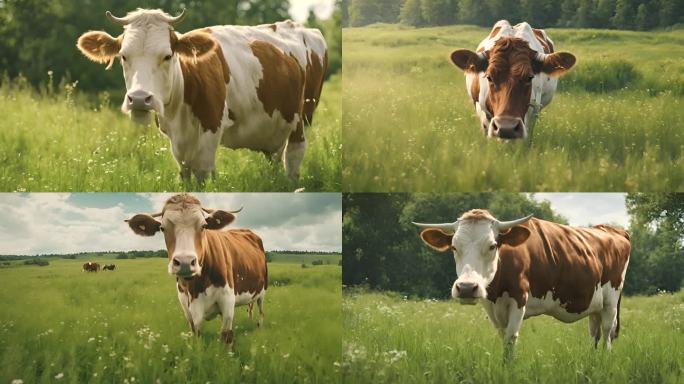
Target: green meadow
x=63, y=325
x=60, y=139
x=390, y=339
x=615, y=123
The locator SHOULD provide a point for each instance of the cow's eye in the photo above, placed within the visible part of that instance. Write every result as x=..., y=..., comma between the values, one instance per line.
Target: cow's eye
x=492, y=247
x=167, y=57
x=530, y=78
x=161, y=229
x=489, y=78
x=123, y=58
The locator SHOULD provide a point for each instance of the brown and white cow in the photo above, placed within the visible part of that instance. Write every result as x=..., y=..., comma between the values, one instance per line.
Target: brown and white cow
x=237, y=86
x=511, y=76
x=529, y=267
x=215, y=270
x=91, y=267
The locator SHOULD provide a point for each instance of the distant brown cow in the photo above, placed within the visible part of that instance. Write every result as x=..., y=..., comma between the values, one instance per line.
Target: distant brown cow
x=109, y=267
x=91, y=267
x=215, y=270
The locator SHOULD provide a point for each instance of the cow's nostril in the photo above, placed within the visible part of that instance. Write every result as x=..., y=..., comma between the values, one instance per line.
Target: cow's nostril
x=176, y=262
x=148, y=99
x=193, y=263
x=495, y=127
x=130, y=99
x=517, y=128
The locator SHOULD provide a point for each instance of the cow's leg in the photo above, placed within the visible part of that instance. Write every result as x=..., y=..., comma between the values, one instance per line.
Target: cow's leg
x=250, y=309
x=294, y=153
x=227, y=306
x=595, y=328
x=184, y=300
x=204, y=163
x=515, y=318
x=608, y=322
x=260, y=303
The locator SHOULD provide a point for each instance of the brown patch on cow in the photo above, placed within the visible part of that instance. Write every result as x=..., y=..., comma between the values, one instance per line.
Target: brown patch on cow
x=144, y=225
x=475, y=89
x=205, y=75
x=282, y=84
x=569, y=262
x=539, y=34
x=273, y=27
x=315, y=75
x=494, y=31
x=477, y=214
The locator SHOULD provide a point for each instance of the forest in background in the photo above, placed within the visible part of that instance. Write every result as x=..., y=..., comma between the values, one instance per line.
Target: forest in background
x=38, y=37
x=382, y=249
x=618, y=14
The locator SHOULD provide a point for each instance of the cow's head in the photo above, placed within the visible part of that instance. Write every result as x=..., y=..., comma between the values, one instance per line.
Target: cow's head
x=183, y=221
x=475, y=239
x=510, y=77
x=149, y=51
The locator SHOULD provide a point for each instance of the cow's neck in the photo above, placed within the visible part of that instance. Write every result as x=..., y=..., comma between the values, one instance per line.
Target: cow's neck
x=172, y=108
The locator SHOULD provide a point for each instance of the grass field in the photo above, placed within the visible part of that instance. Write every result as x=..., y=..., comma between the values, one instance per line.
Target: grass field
x=127, y=326
x=58, y=141
x=389, y=339
x=615, y=123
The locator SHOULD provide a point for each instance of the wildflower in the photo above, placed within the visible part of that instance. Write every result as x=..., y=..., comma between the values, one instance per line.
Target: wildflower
x=59, y=376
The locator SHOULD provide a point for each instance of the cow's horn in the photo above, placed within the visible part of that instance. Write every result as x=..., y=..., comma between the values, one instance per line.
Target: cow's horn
x=239, y=210
x=502, y=226
x=117, y=20
x=449, y=228
x=177, y=19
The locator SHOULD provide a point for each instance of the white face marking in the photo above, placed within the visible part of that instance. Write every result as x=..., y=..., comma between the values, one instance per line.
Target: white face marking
x=181, y=227
x=148, y=63
x=476, y=255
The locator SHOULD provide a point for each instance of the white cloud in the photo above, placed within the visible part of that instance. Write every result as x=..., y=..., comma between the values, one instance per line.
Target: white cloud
x=55, y=223
x=589, y=208
x=299, y=9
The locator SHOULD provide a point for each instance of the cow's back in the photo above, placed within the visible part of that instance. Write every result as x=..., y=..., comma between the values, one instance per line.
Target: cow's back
x=246, y=258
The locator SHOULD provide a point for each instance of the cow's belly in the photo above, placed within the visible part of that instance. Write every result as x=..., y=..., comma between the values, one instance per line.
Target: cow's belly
x=548, y=306
x=245, y=298
x=255, y=129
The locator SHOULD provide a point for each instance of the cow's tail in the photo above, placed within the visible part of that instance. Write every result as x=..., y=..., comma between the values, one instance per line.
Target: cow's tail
x=261, y=246
x=617, y=327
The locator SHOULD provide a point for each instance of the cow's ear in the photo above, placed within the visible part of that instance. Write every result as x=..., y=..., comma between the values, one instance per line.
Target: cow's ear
x=437, y=239
x=193, y=45
x=144, y=225
x=514, y=237
x=468, y=61
x=99, y=46
x=556, y=64
x=219, y=219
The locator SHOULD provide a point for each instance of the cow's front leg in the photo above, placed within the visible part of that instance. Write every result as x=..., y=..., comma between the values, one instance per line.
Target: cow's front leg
x=185, y=301
x=515, y=318
x=204, y=162
x=227, y=306
x=294, y=153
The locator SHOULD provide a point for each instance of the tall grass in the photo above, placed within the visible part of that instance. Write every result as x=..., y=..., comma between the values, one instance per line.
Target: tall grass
x=59, y=139
x=615, y=124
x=127, y=326
x=389, y=339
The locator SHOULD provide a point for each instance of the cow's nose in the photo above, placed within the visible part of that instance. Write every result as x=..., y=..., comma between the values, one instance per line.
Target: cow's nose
x=508, y=128
x=184, y=264
x=139, y=100
x=466, y=290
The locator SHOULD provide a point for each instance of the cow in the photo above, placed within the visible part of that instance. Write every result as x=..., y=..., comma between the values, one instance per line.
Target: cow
x=235, y=86
x=109, y=267
x=91, y=267
x=215, y=270
x=529, y=267
x=511, y=76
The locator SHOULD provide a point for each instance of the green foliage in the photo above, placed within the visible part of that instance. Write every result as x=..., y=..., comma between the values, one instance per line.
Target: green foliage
x=412, y=14
x=410, y=125
x=364, y=12
x=392, y=340
x=87, y=147
x=382, y=248
x=38, y=262
x=113, y=327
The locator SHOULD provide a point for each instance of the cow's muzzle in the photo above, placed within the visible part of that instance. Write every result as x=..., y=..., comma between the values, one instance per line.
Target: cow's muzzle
x=185, y=266
x=466, y=292
x=140, y=103
x=505, y=127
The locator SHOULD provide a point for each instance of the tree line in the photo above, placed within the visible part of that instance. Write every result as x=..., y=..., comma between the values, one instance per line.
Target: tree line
x=618, y=14
x=39, y=36
x=382, y=249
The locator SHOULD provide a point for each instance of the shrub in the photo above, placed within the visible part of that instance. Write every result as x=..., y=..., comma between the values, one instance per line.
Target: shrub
x=38, y=262
x=599, y=76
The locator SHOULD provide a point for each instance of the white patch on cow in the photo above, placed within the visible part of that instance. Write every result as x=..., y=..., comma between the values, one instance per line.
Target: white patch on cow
x=294, y=155
x=245, y=298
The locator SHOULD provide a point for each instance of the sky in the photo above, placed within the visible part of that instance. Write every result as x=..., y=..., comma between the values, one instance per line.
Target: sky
x=299, y=9
x=39, y=223
x=583, y=209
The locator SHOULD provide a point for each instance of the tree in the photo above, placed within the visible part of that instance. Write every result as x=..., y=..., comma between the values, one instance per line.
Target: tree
x=362, y=12
x=438, y=12
x=624, y=15
x=411, y=13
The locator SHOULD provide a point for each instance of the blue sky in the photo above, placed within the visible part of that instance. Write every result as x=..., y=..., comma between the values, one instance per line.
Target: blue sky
x=34, y=223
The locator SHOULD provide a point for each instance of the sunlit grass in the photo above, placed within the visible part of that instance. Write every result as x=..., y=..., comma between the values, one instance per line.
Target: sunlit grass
x=127, y=326
x=389, y=339
x=58, y=141
x=409, y=125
